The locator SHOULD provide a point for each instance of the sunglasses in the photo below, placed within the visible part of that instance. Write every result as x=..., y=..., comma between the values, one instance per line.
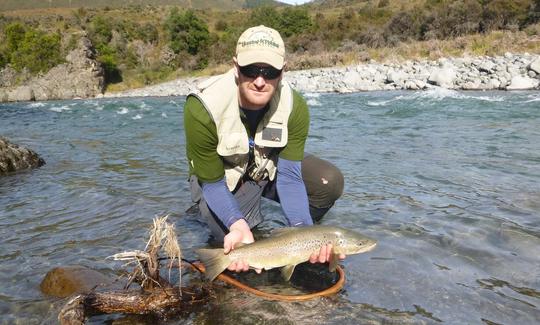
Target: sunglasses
x=253, y=71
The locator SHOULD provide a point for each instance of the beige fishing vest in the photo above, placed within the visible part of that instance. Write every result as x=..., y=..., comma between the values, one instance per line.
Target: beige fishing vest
x=219, y=96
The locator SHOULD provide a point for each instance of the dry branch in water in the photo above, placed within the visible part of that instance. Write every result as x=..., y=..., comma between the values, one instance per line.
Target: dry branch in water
x=157, y=295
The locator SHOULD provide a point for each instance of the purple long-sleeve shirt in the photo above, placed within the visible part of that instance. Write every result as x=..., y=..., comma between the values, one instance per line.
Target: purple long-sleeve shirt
x=291, y=191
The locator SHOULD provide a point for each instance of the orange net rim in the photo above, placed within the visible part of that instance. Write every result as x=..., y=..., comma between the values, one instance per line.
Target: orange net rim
x=335, y=288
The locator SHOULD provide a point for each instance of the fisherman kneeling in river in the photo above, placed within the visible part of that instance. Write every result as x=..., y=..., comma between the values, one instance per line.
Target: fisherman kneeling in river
x=245, y=136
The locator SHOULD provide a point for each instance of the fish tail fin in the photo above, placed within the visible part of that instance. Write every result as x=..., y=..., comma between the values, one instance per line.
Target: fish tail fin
x=214, y=261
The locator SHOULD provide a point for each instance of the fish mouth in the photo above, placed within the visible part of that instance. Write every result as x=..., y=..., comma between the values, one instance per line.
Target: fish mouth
x=367, y=247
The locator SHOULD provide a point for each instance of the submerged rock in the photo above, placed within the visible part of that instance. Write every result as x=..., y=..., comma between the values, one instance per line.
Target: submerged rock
x=65, y=281
x=14, y=158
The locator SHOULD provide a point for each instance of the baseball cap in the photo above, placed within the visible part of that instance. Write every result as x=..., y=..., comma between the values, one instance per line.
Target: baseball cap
x=260, y=44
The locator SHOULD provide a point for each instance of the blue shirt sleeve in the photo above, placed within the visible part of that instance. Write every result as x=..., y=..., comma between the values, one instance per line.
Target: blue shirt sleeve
x=292, y=193
x=222, y=202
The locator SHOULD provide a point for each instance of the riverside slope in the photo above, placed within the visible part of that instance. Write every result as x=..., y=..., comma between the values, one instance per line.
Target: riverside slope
x=508, y=72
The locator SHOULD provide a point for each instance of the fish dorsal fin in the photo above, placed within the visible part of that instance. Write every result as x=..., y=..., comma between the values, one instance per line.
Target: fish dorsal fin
x=281, y=231
x=287, y=271
x=334, y=259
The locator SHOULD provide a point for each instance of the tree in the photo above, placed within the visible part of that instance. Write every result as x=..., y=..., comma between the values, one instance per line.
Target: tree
x=14, y=34
x=37, y=51
x=293, y=21
x=187, y=32
x=100, y=31
x=267, y=16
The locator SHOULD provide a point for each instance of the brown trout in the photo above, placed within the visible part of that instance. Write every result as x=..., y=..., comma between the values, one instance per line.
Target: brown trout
x=286, y=248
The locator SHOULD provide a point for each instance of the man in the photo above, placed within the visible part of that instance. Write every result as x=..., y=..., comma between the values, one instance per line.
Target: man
x=245, y=136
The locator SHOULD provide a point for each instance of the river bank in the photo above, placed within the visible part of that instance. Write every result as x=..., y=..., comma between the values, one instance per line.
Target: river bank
x=507, y=72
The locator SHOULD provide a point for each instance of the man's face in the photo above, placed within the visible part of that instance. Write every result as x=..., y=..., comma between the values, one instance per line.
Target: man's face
x=255, y=91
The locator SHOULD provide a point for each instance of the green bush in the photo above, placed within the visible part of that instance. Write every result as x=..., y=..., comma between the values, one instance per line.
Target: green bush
x=100, y=31
x=267, y=16
x=453, y=19
x=148, y=33
x=108, y=58
x=3, y=60
x=500, y=14
x=294, y=21
x=221, y=25
x=187, y=32
x=534, y=14
x=403, y=26
x=36, y=51
x=289, y=21
x=14, y=34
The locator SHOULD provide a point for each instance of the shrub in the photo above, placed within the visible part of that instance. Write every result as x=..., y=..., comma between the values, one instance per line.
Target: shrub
x=37, y=51
x=293, y=21
x=147, y=33
x=14, y=34
x=3, y=60
x=453, y=19
x=267, y=16
x=187, y=32
x=108, y=59
x=221, y=25
x=100, y=31
x=289, y=21
x=403, y=26
x=534, y=13
x=499, y=14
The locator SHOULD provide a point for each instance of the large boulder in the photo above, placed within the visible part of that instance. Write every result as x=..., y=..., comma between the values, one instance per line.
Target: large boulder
x=14, y=157
x=443, y=77
x=535, y=65
x=522, y=83
x=65, y=281
x=82, y=76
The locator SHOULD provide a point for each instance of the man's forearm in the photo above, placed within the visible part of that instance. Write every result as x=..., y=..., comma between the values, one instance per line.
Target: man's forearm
x=292, y=193
x=222, y=202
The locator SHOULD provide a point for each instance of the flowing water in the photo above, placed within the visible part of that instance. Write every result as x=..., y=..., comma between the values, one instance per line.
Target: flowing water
x=447, y=182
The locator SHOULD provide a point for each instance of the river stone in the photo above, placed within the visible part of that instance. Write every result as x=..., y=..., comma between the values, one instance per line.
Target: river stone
x=487, y=66
x=535, y=65
x=522, y=83
x=14, y=158
x=396, y=76
x=65, y=281
x=444, y=77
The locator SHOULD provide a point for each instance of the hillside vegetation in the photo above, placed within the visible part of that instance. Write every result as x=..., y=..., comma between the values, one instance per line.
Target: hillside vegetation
x=12, y=5
x=140, y=45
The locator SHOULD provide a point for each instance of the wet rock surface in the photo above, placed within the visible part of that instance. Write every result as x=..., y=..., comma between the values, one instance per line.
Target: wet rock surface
x=82, y=76
x=14, y=157
x=65, y=281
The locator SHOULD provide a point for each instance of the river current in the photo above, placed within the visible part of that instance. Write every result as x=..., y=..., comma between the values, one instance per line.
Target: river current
x=447, y=182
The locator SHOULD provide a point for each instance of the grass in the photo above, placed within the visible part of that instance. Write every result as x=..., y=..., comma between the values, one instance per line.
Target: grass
x=492, y=44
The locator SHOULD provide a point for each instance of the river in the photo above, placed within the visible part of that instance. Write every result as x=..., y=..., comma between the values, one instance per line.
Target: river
x=447, y=182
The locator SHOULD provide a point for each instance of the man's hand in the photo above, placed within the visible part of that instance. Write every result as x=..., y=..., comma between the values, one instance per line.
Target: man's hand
x=323, y=255
x=239, y=232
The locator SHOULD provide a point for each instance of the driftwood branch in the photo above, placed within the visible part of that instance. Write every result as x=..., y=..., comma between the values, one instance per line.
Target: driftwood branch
x=157, y=295
x=157, y=301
